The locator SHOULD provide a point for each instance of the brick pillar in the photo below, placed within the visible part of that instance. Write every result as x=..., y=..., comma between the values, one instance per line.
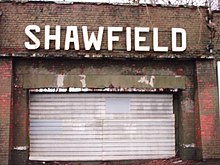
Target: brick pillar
x=5, y=109
x=207, y=108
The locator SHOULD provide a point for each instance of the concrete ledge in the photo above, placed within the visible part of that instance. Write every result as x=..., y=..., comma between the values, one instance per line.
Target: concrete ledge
x=103, y=81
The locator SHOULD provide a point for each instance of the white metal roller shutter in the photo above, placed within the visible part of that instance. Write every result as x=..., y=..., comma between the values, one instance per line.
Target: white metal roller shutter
x=86, y=127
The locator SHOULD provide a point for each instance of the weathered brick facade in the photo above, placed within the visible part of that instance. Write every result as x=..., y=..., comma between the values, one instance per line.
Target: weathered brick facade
x=191, y=74
x=207, y=106
x=16, y=16
x=6, y=109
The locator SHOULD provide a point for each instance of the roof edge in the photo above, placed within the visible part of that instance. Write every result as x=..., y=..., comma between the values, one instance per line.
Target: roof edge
x=103, y=3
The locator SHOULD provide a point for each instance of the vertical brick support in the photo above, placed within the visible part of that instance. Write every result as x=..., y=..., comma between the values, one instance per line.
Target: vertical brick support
x=187, y=141
x=5, y=109
x=206, y=108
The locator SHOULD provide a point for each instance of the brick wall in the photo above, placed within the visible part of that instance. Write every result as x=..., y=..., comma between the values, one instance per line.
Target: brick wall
x=16, y=16
x=207, y=111
x=5, y=109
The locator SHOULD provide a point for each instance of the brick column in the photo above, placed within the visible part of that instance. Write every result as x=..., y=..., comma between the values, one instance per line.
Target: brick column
x=5, y=109
x=207, y=108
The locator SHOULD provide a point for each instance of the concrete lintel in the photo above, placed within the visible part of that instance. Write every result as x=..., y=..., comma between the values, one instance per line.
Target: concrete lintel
x=103, y=81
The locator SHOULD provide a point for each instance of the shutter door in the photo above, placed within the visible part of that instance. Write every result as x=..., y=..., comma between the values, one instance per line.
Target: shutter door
x=86, y=127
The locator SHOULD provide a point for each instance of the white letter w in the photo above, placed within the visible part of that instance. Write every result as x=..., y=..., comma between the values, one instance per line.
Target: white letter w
x=88, y=42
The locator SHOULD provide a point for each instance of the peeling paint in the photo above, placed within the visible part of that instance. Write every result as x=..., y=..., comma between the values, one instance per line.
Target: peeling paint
x=60, y=80
x=188, y=105
x=147, y=81
x=83, y=80
x=103, y=90
x=21, y=148
x=192, y=145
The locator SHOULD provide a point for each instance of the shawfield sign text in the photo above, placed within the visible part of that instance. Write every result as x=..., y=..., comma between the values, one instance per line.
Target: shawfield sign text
x=72, y=36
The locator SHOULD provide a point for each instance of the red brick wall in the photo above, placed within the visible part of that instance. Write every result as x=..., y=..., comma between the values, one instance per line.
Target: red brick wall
x=5, y=109
x=207, y=110
x=16, y=16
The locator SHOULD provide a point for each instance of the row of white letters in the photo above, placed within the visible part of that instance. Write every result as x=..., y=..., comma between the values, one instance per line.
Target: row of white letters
x=96, y=41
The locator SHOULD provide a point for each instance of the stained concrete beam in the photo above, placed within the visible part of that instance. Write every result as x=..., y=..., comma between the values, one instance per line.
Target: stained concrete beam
x=103, y=81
